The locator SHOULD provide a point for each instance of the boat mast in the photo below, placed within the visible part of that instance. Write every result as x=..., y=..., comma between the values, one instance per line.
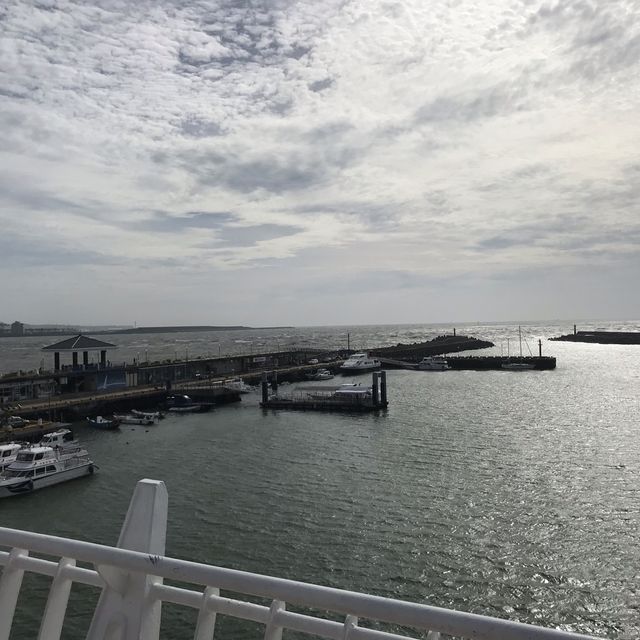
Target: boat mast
x=520, y=339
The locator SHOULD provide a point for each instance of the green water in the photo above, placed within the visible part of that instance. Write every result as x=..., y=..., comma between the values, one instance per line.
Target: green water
x=509, y=494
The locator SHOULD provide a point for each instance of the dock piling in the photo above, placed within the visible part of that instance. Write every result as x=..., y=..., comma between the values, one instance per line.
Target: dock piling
x=383, y=388
x=374, y=388
x=265, y=387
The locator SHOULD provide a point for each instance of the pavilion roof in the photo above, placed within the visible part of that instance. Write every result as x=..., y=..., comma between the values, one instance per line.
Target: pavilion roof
x=80, y=343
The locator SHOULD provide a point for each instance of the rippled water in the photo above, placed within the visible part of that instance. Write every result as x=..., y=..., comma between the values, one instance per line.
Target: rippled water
x=508, y=493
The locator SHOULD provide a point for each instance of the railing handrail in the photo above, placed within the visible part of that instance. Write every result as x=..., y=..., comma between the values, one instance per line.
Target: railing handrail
x=379, y=608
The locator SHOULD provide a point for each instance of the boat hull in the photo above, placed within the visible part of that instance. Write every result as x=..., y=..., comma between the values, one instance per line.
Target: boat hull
x=352, y=370
x=33, y=484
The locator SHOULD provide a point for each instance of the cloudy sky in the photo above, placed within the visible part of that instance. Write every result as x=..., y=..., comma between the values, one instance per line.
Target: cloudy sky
x=320, y=162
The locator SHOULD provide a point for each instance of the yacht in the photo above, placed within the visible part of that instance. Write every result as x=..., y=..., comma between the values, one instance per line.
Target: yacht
x=38, y=467
x=8, y=453
x=433, y=363
x=360, y=362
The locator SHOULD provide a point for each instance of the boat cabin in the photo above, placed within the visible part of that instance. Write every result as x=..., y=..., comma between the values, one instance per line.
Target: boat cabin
x=60, y=438
x=9, y=450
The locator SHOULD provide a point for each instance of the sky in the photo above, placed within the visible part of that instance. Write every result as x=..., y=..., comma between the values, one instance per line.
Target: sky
x=323, y=162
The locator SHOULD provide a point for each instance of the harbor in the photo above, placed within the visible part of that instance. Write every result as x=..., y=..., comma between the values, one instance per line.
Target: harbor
x=470, y=482
x=90, y=386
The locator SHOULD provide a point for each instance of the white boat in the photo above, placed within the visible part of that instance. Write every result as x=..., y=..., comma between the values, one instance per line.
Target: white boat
x=132, y=418
x=320, y=374
x=62, y=439
x=8, y=453
x=103, y=423
x=154, y=415
x=237, y=384
x=518, y=366
x=38, y=467
x=352, y=390
x=433, y=363
x=360, y=362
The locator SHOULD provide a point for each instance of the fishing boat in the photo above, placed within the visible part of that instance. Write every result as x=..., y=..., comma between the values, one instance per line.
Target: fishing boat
x=8, y=453
x=131, y=418
x=38, y=467
x=433, y=363
x=103, y=423
x=360, y=363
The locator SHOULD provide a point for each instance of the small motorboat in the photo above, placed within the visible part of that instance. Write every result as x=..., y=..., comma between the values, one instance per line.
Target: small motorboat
x=38, y=467
x=320, y=374
x=184, y=404
x=132, y=418
x=154, y=415
x=103, y=423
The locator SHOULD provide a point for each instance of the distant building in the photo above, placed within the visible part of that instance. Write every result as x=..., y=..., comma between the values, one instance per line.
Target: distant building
x=17, y=329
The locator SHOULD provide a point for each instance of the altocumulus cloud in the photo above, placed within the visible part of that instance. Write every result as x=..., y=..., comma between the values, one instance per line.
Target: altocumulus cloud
x=402, y=143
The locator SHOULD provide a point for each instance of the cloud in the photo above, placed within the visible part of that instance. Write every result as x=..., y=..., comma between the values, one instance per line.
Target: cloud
x=411, y=146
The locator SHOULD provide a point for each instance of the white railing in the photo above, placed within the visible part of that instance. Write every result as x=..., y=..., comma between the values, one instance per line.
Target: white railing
x=131, y=579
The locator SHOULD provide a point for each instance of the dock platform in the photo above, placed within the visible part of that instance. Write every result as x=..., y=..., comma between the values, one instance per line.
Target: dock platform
x=345, y=398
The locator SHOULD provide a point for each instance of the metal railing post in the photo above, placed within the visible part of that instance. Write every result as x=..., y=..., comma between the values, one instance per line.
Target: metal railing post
x=10, y=584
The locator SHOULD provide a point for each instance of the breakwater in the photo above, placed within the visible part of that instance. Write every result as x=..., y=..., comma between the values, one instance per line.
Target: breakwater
x=601, y=337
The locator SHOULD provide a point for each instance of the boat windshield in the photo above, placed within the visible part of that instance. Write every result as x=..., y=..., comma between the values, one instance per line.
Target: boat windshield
x=25, y=457
x=19, y=474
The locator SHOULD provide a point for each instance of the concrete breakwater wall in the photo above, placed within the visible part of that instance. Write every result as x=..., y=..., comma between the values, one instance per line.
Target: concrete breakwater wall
x=437, y=346
x=601, y=337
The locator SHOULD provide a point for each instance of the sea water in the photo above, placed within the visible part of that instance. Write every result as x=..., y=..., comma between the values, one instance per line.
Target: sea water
x=512, y=494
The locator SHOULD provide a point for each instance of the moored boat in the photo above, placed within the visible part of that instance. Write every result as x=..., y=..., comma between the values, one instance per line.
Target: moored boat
x=518, y=366
x=320, y=374
x=433, y=363
x=8, y=453
x=154, y=415
x=184, y=404
x=237, y=384
x=38, y=467
x=132, y=418
x=360, y=363
x=62, y=439
x=103, y=423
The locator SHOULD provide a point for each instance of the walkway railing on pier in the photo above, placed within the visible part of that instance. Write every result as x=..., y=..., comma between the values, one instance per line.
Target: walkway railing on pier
x=131, y=579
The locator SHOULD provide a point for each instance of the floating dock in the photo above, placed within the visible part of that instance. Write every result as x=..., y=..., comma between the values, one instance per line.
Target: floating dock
x=346, y=398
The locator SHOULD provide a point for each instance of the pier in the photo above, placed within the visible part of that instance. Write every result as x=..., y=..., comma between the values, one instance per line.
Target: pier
x=600, y=337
